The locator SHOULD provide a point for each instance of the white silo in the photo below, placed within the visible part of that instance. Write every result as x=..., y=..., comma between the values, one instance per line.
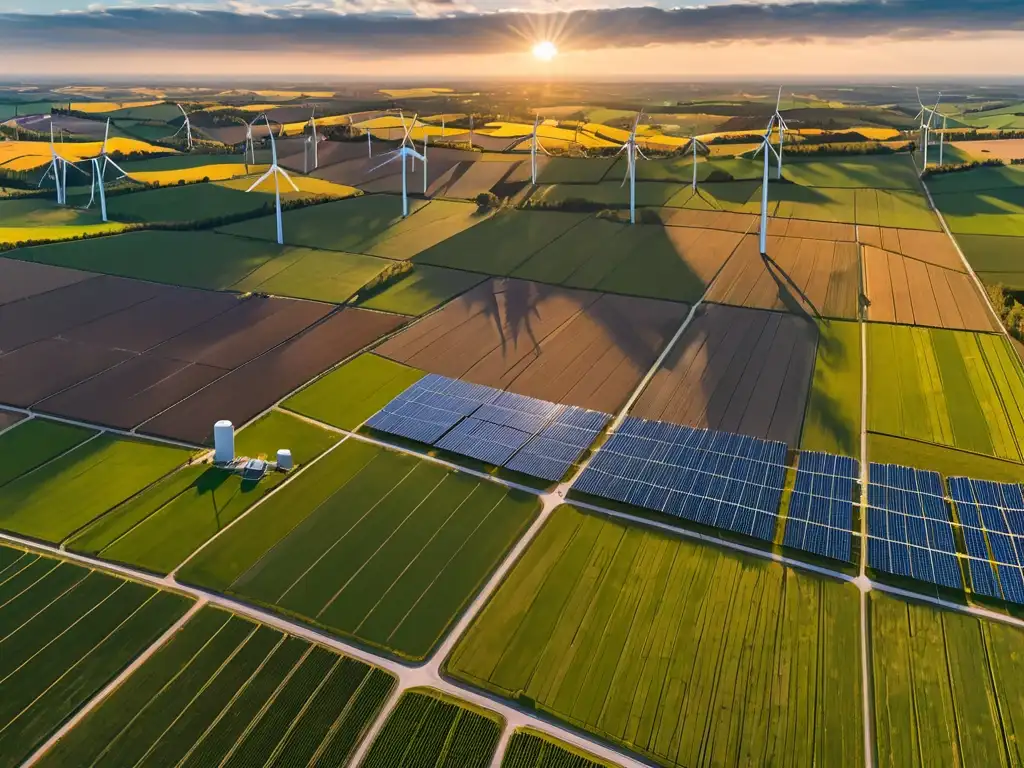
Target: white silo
x=223, y=442
x=284, y=459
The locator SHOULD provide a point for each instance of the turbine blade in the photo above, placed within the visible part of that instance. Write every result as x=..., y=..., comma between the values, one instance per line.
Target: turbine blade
x=390, y=159
x=261, y=179
x=287, y=178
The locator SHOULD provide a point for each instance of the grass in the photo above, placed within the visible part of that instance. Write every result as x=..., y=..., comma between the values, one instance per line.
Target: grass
x=996, y=259
x=67, y=632
x=735, y=196
x=609, y=193
x=953, y=388
x=33, y=443
x=421, y=290
x=190, y=202
x=986, y=212
x=161, y=527
x=528, y=748
x=866, y=172
x=429, y=729
x=42, y=212
x=502, y=243
x=686, y=654
x=369, y=544
x=225, y=691
x=949, y=684
x=349, y=395
x=71, y=491
x=832, y=421
x=950, y=462
x=432, y=224
x=563, y=170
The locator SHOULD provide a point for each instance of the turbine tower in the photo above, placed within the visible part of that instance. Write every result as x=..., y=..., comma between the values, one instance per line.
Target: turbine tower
x=534, y=146
x=187, y=127
x=311, y=143
x=766, y=147
x=926, y=114
x=99, y=171
x=249, y=152
x=406, y=149
x=54, y=170
x=277, y=173
x=777, y=117
x=695, y=145
x=632, y=150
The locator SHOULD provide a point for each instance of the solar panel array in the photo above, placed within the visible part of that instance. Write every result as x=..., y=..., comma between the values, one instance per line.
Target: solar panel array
x=727, y=481
x=505, y=429
x=820, y=516
x=910, y=531
x=992, y=519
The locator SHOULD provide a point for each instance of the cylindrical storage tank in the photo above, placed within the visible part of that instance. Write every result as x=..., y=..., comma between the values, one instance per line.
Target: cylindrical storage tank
x=284, y=459
x=223, y=442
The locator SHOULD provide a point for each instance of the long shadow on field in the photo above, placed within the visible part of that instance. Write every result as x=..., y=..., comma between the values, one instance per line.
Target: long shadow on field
x=787, y=288
x=826, y=410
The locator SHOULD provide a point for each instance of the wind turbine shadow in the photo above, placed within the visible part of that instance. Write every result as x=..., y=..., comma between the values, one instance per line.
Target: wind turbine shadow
x=787, y=289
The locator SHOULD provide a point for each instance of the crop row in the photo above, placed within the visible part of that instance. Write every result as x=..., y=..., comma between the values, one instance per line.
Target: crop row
x=529, y=749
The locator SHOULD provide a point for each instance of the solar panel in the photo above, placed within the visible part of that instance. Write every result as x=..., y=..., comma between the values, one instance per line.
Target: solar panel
x=910, y=530
x=714, y=478
x=821, y=507
x=992, y=518
x=524, y=413
x=492, y=443
x=428, y=408
x=551, y=453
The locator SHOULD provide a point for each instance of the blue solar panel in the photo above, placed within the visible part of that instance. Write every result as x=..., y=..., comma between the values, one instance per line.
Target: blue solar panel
x=492, y=443
x=909, y=526
x=716, y=479
x=821, y=506
x=992, y=518
x=551, y=453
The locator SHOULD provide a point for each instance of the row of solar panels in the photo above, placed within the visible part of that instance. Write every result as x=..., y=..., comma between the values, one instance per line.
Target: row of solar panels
x=504, y=429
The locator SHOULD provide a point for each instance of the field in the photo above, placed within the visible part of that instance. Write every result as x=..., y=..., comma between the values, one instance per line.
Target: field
x=832, y=420
x=682, y=653
x=934, y=248
x=961, y=390
x=1001, y=149
x=420, y=290
x=533, y=749
x=951, y=687
x=996, y=259
x=64, y=495
x=27, y=155
x=225, y=691
x=736, y=370
x=556, y=344
x=950, y=462
x=867, y=172
x=369, y=544
x=807, y=277
x=160, y=527
x=66, y=632
x=995, y=211
x=427, y=729
x=210, y=172
x=33, y=443
x=349, y=395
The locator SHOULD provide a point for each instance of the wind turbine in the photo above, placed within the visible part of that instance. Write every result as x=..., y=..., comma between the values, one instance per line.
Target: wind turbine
x=534, y=146
x=777, y=117
x=187, y=127
x=250, y=147
x=311, y=141
x=406, y=149
x=926, y=124
x=695, y=145
x=99, y=171
x=766, y=147
x=277, y=172
x=54, y=170
x=632, y=150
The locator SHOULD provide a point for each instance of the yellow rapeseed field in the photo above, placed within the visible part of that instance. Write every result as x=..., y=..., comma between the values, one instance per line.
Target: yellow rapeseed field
x=413, y=93
x=15, y=235
x=306, y=184
x=109, y=106
x=214, y=172
x=26, y=155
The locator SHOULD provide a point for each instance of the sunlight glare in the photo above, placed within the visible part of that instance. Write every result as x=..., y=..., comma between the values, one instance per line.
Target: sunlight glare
x=545, y=51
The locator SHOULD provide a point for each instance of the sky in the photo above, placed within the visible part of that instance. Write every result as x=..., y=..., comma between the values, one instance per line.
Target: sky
x=416, y=40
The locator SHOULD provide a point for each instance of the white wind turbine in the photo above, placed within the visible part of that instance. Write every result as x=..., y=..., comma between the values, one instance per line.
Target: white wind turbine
x=406, y=149
x=695, y=146
x=99, y=171
x=277, y=172
x=185, y=126
x=250, y=148
x=311, y=144
x=777, y=117
x=632, y=150
x=926, y=114
x=534, y=146
x=766, y=147
x=55, y=170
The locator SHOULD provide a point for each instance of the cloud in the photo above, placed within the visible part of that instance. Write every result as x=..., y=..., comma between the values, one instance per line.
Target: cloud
x=390, y=27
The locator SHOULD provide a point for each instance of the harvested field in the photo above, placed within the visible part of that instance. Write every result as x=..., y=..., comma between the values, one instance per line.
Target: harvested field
x=556, y=344
x=528, y=748
x=369, y=544
x=832, y=422
x=736, y=370
x=816, y=278
x=225, y=691
x=687, y=655
x=962, y=390
x=43, y=368
x=33, y=443
x=427, y=728
x=349, y=395
x=654, y=261
x=951, y=686
x=912, y=292
x=929, y=247
x=689, y=217
x=997, y=260
x=811, y=230
x=69, y=492
x=67, y=631
x=21, y=279
x=997, y=149
x=469, y=179
x=421, y=290
x=9, y=418
x=570, y=170
x=243, y=393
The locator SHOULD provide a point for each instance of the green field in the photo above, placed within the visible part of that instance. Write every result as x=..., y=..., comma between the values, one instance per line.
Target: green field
x=533, y=749
x=734, y=196
x=225, y=691
x=680, y=169
x=832, y=419
x=421, y=290
x=948, y=687
x=349, y=395
x=988, y=212
x=189, y=202
x=867, y=172
x=160, y=527
x=369, y=544
x=953, y=388
x=35, y=442
x=41, y=212
x=684, y=653
x=427, y=729
x=498, y=245
x=65, y=632
x=996, y=259
x=573, y=170
x=610, y=193
x=71, y=491
x=977, y=180
x=886, y=449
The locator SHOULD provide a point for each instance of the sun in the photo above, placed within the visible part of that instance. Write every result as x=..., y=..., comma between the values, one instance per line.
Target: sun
x=545, y=51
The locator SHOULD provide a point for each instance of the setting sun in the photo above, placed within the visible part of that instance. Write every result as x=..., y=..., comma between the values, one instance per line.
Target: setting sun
x=545, y=51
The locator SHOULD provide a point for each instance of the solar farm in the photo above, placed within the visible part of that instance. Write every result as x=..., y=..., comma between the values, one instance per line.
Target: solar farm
x=565, y=447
